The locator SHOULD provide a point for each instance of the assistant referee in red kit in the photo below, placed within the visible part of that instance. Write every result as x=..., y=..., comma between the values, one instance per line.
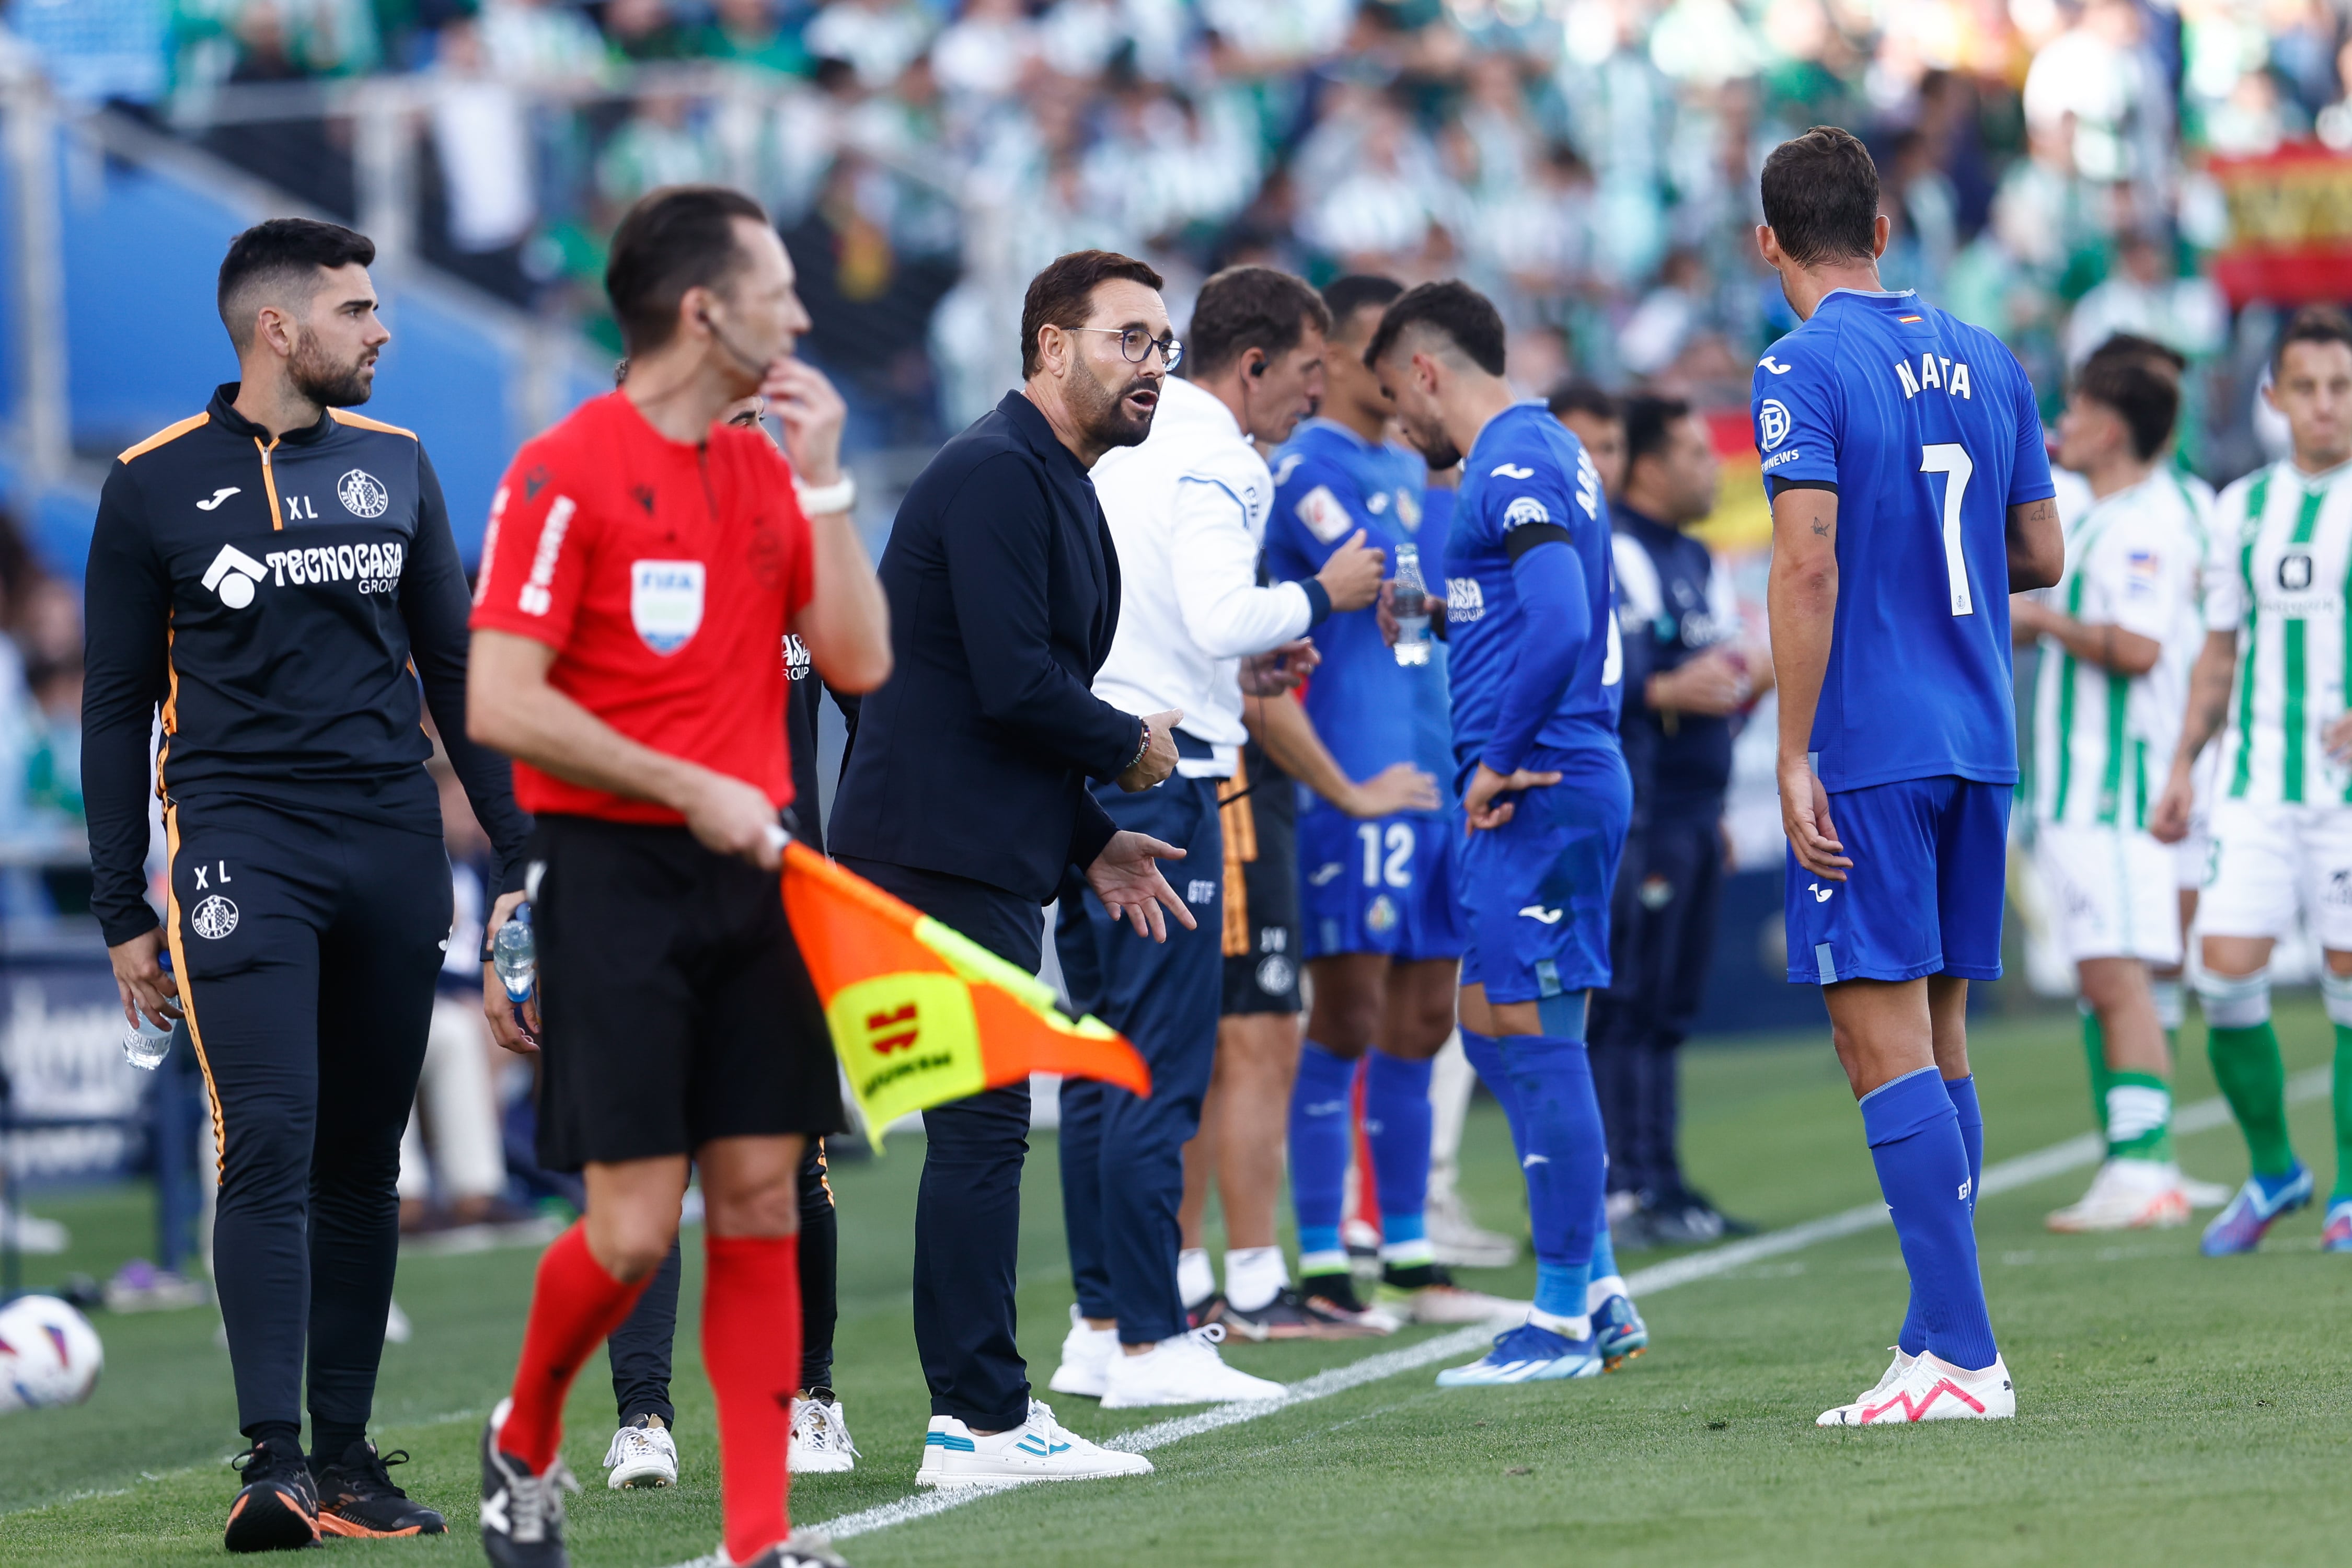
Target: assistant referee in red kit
x=644, y=565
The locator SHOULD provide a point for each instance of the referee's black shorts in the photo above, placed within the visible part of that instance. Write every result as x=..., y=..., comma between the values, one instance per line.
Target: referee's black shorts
x=676, y=1006
x=1261, y=945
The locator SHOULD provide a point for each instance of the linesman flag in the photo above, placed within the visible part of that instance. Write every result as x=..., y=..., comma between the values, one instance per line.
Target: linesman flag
x=922, y=1014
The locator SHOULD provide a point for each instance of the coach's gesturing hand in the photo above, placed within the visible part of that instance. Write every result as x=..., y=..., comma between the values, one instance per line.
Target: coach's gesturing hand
x=1352, y=575
x=1159, y=757
x=1126, y=877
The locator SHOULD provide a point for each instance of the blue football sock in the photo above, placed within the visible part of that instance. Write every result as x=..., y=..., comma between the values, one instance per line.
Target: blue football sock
x=1486, y=1058
x=1318, y=1147
x=1922, y=1173
x=1563, y=1157
x=1604, y=1252
x=1396, y=1120
x=1560, y=1290
x=1963, y=1091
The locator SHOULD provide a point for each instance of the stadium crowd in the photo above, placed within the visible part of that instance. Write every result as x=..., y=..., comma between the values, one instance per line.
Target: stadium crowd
x=1589, y=164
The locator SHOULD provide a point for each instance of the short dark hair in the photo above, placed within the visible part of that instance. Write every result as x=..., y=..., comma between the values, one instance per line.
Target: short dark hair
x=1246, y=307
x=2147, y=401
x=1063, y=292
x=2312, y=324
x=280, y=251
x=673, y=240
x=1648, y=419
x=1821, y=196
x=1354, y=291
x=2134, y=349
x=1589, y=398
x=1464, y=316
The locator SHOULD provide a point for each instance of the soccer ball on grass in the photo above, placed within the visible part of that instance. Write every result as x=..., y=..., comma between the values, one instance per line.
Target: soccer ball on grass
x=49, y=1356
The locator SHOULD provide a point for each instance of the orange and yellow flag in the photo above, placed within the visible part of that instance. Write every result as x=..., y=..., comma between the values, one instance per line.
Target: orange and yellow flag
x=922, y=1014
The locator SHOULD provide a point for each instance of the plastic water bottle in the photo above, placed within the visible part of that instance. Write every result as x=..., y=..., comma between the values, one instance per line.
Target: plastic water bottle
x=1410, y=607
x=145, y=1044
x=515, y=954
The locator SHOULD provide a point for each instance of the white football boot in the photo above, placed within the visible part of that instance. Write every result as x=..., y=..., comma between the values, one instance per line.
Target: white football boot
x=820, y=1443
x=1086, y=1355
x=2127, y=1194
x=1893, y=1375
x=1932, y=1389
x=1040, y=1449
x=1184, y=1369
x=642, y=1454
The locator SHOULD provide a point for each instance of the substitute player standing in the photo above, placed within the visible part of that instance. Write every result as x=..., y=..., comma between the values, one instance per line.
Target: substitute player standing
x=2277, y=605
x=644, y=565
x=2107, y=710
x=1534, y=665
x=1898, y=746
x=279, y=574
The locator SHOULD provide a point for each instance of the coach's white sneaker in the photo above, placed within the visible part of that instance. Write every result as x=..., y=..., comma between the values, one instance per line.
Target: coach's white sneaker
x=642, y=1454
x=2128, y=1194
x=1086, y=1355
x=1040, y=1449
x=1932, y=1389
x=1185, y=1370
x=820, y=1443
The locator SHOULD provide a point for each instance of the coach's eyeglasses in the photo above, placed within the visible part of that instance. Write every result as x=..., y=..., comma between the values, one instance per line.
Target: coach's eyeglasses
x=1136, y=345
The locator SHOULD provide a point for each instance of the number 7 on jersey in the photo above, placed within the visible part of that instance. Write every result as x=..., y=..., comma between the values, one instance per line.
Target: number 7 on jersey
x=1950, y=458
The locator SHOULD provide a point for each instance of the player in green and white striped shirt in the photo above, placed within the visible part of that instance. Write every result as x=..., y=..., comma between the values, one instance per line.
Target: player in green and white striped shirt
x=2106, y=718
x=2278, y=661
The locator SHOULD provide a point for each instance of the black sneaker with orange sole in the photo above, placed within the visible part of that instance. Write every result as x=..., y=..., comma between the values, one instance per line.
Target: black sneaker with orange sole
x=358, y=1498
x=276, y=1509
x=1292, y=1316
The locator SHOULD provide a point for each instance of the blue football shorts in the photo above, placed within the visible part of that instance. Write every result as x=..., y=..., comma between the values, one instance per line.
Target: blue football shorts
x=1382, y=885
x=1924, y=894
x=1536, y=889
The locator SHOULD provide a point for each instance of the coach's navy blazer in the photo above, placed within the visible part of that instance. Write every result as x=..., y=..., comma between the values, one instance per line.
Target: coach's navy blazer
x=974, y=759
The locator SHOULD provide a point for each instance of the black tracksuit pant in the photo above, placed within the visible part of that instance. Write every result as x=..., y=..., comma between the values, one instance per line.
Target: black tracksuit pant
x=640, y=1348
x=308, y=943
x=1663, y=918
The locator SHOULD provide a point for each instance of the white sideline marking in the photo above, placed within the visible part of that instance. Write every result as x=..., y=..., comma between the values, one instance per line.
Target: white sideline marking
x=2073, y=1153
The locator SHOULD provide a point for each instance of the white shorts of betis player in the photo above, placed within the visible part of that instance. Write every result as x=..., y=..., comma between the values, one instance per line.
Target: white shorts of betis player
x=2268, y=860
x=2114, y=893
x=2192, y=858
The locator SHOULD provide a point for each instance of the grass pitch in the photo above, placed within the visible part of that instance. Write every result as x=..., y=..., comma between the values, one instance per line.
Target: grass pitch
x=2171, y=1409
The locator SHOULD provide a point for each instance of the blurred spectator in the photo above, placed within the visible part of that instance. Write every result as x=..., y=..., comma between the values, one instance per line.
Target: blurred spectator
x=751, y=33
x=879, y=38
x=659, y=144
x=481, y=137
x=646, y=30
x=542, y=41
x=2145, y=295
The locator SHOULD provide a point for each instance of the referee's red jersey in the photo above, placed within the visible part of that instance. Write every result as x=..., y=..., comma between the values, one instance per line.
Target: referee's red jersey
x=665, y=576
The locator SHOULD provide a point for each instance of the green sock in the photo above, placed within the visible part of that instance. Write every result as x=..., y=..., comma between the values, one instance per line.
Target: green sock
x=2253, y=1079
x=2094, y=1053
x=2343, y=1097
x=2139, y=1117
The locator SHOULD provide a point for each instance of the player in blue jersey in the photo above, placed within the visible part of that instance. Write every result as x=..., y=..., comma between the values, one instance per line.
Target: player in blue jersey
x=1911, y=496
x=1534, y=662
x=1381, y=933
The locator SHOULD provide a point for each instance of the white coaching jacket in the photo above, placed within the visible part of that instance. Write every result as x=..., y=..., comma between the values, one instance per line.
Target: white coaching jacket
x=1187, y=511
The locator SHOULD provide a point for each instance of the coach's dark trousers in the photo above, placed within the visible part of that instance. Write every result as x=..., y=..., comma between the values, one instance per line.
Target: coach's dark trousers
x=1122, y=1156
x=308, y=943
x=968, y=1211
x=1663, y=939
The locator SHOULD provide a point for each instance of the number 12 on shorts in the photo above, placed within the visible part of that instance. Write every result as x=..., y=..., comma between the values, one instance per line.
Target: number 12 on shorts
x=1952, y=459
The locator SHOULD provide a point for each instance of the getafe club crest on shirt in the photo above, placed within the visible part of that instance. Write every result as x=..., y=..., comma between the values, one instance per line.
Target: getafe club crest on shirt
x=665, y=601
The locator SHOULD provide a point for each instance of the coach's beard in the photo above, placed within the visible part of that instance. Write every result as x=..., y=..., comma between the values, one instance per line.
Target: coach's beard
x=326, y=383
x=1121, y=418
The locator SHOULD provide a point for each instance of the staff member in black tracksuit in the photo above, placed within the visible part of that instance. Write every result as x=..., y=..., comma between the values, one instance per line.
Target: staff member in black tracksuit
x=1680, y=624
x=279, y=575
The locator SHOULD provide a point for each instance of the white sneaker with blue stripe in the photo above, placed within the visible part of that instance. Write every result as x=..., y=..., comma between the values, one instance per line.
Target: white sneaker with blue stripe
x=1039, y=1449
x=1527, y=1354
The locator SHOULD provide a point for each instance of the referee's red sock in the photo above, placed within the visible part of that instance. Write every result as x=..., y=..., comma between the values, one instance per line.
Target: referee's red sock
x=752, y=1351
x=575, y=1306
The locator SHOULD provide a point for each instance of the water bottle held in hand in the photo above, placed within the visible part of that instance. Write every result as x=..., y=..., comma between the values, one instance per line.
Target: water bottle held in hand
x=1410, y=607
x=146, y=1043
x=515, y=956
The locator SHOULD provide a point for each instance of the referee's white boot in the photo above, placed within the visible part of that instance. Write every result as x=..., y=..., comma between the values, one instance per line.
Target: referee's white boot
x=1086, y=1355
x=1040, y=1449
x=1184, y=1369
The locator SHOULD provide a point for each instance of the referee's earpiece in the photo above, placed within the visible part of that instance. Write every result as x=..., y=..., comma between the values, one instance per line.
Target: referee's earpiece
x=1258, y=369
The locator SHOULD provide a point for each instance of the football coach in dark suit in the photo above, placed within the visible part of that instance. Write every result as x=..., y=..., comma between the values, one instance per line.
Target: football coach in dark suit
x=965, y=792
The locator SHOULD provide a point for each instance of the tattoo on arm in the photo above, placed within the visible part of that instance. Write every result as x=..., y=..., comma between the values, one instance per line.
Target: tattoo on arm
x=1821, y=529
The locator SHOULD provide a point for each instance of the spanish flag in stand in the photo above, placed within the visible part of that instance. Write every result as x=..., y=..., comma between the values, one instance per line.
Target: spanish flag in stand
x=922, y=1014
